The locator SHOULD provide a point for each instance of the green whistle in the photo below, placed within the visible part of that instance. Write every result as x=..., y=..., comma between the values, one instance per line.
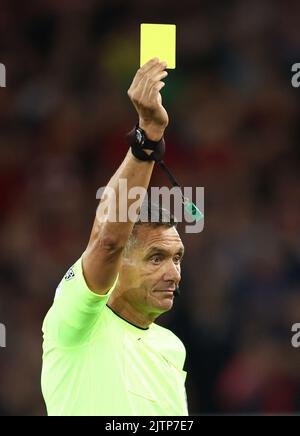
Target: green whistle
x=193, y=210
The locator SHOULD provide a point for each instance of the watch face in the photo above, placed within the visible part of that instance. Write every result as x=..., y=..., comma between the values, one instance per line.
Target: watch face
x=139, y=137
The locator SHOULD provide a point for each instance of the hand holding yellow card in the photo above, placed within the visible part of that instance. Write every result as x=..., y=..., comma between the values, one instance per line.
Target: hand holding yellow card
x=158, y=40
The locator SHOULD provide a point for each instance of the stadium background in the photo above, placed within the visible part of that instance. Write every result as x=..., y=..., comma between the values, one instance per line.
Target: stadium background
x=234, y=129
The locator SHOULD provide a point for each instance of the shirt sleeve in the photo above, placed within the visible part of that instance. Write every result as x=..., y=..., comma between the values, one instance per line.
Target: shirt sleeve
x=75, y=309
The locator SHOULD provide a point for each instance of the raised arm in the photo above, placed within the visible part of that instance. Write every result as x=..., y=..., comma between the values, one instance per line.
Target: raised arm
x=101, y=259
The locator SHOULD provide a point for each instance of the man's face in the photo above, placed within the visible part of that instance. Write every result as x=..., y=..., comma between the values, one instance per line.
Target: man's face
x=151, y=273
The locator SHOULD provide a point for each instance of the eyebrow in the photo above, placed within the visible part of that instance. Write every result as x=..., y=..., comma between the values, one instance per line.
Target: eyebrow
x=163, y=251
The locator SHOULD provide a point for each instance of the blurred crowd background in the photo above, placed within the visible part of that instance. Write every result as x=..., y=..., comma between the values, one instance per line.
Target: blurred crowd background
x=234, y=129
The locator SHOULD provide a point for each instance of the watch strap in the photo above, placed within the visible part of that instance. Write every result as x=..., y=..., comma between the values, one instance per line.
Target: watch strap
x=138, y=142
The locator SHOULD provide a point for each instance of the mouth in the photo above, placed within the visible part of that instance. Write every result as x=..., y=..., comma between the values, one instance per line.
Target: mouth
x=167, y=292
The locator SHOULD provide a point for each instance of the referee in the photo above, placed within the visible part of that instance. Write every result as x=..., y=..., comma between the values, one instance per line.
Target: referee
x=103, y=354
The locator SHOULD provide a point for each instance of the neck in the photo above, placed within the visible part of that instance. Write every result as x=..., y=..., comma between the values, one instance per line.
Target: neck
x=131, y=314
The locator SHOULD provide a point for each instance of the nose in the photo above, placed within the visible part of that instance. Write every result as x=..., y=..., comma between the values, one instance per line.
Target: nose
x=172, y=272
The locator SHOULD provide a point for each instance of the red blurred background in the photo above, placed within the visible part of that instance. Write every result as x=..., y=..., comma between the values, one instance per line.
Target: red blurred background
x=234, y=129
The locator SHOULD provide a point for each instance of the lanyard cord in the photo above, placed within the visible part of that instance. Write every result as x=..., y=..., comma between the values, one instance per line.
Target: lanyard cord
x=169, y=174
x=170, y=177
x=189, y=206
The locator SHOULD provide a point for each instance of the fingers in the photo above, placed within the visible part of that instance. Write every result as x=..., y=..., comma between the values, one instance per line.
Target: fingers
x=154, y=92
x=142, y=71
x=139, y=92
x=149, y=80
x=152, y=70
x=148, y=65
x=160, y=75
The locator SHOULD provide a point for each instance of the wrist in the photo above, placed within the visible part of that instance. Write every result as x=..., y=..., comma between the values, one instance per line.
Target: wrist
x=153, y=133
x=145, y=148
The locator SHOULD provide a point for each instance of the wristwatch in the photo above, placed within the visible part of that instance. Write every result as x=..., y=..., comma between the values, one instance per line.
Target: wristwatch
x=138, y=141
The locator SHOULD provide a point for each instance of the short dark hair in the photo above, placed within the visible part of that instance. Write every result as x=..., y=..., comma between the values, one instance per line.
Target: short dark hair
x=152, y=215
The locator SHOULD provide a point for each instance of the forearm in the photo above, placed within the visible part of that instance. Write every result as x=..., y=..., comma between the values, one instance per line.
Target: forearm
x=112, y=223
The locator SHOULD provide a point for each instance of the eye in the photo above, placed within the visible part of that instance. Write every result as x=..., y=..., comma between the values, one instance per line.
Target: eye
x=178, y=259
x=156, y=259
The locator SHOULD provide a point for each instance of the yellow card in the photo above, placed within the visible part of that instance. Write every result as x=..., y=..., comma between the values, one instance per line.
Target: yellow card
x=158, y=40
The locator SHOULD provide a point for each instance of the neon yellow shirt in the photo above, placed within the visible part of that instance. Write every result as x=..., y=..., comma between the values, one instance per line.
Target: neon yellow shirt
x=96, y=363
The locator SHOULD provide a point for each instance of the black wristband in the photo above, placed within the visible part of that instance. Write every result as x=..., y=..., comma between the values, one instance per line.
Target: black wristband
x=138, y=142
